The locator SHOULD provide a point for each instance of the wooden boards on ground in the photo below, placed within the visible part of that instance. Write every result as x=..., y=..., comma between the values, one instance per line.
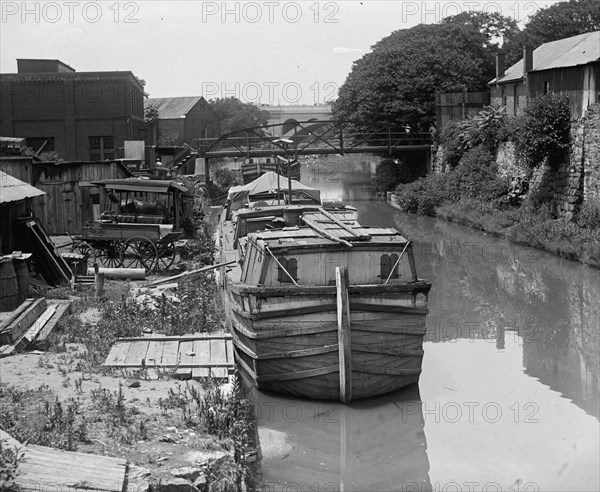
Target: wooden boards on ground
x=199, y=355
x=44, y=468
x=31, y=326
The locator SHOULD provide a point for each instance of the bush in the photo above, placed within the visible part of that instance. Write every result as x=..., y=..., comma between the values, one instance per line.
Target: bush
x=589, y=215
x=474, y=178
x=450, y=140
x=543, y=131
x=477, y=177
x=486, y=130
x=390, y=173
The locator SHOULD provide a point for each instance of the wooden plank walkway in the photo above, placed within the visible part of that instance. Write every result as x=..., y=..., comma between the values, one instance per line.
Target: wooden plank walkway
x=201, y=354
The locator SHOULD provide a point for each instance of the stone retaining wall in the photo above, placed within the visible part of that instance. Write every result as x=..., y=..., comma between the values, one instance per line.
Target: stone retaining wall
x=566, y=186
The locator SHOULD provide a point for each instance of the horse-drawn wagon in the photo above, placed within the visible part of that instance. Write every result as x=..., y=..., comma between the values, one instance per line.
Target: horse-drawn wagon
x=141, y=221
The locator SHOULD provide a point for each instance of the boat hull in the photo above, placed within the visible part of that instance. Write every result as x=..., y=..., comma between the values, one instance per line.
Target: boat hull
x=287, y=341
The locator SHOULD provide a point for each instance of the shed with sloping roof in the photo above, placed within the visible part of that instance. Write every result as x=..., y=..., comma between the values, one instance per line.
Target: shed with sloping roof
x=181, y=120
x=16, y=198
x=567, y=67
x=70, y=199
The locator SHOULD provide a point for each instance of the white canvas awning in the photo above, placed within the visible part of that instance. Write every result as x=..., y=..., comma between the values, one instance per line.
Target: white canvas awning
x=267, y=183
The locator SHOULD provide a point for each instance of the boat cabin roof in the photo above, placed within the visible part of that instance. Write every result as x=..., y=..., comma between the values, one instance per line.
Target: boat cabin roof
x=307, y=237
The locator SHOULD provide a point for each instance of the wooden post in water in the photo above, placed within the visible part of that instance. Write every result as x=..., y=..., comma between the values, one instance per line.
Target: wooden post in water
x=344, y=341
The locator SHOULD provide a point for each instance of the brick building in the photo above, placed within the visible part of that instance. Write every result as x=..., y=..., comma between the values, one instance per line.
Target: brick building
x=82, y=116
x=181, y=120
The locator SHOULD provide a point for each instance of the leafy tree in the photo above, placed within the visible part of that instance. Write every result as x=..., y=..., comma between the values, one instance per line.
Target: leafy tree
x=395, y=84
x=543, y=130
x=559, y=21
x=236, y=115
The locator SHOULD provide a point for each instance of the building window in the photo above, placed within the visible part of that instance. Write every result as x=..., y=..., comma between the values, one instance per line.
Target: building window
x=291, y=266
x=546, y=87
x=36, y=143
x=386, y=263
x=516, y=100
x=102, y=148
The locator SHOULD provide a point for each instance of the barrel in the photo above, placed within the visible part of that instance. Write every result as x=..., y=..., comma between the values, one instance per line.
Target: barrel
x=22, y=273
x=8, y=285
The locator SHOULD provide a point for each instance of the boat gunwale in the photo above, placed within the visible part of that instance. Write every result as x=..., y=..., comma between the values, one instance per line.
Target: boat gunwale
x=308, y=290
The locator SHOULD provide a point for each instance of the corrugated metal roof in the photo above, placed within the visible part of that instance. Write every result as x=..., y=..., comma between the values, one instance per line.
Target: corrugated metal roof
x=568, y=52
x=173, y=107
x=13, y=189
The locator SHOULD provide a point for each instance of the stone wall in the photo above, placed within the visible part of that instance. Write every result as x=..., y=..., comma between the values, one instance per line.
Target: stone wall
x=577, y=176
x=566, y=186
x=591, y=153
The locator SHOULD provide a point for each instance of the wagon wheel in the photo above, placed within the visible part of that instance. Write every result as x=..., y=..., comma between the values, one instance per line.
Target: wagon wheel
x=166, y=254
x=139, y=252
x=84, y=248
x=109, y=254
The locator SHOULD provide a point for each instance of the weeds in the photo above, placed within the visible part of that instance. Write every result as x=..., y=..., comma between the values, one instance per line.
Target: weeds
x=9, y=463
x=34, y=417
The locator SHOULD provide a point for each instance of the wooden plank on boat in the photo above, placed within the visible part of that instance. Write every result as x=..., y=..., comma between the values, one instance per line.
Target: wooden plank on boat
x=287, y=376
x=393, y=371
x=344, y=339
x=289, y=354
x=44, y=468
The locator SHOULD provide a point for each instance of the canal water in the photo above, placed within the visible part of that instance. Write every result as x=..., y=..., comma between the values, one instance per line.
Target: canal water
x=509, y=394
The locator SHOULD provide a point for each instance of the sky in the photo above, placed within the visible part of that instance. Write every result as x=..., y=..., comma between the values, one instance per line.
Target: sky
x=265, y=52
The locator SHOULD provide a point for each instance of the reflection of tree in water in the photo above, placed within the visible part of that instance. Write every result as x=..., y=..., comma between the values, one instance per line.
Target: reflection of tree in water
x=484, y=286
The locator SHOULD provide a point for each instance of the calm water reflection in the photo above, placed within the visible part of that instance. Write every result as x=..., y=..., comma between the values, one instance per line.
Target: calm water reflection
x=509, y=394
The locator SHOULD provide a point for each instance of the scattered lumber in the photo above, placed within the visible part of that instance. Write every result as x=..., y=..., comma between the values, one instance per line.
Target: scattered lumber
x=191, y=272
x=120, y=273
x=44, y=468
x=14, y=330
x=33, y=328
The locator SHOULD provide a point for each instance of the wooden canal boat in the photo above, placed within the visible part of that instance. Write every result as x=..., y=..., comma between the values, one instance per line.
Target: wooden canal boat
x=319, y=305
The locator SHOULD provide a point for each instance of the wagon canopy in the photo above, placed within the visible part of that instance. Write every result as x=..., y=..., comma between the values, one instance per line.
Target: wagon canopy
x=140, y=185
x=267, y=183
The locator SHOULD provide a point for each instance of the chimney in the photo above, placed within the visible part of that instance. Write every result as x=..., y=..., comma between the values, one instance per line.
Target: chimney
x=527, y=60
x=500, y=65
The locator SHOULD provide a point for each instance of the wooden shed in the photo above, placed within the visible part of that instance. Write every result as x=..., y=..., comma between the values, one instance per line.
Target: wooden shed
x=70, y=196
x=16, y=198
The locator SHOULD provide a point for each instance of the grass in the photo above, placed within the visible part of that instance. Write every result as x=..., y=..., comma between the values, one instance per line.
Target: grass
x=529, y=226
x=97, y=416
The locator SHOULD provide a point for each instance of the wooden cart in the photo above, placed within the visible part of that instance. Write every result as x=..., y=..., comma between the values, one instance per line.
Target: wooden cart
x=138, y=229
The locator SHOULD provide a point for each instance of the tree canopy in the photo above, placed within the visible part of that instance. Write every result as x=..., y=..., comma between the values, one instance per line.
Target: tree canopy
x=559, y=21
x=236, y=115
x=395, y=84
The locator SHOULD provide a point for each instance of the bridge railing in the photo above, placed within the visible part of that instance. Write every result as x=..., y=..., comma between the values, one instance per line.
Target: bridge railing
x=309, y=137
